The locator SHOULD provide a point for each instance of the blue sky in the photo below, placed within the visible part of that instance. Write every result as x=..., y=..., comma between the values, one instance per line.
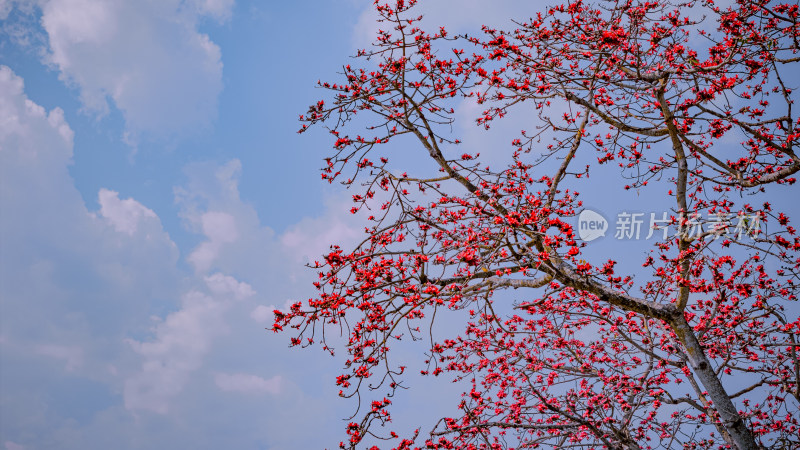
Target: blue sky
x=156, y=204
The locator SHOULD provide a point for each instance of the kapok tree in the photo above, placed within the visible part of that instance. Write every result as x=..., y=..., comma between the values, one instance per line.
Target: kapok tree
x=697, y=348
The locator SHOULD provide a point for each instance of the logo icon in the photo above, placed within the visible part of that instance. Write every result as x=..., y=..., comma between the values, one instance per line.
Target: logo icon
x=591, y=225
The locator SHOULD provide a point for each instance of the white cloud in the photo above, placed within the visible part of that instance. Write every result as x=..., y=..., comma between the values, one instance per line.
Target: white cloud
x=248, y=383
x=124, y=215
x=264, y=314
x=220, y=229
x=43, y=210
x=78, y=286
x=73, y=282
x=210, y=187
x=211, y=206
x=237, y=242
x=5, y=8
x=146, y=56
x=218, y=9
x=180, y=343
x=224, y=285
x=310, y=238
x=72, y=355
x=30, y=134
x=21, y=29
x=13, y=446
x=204, y=255
x=219, y=226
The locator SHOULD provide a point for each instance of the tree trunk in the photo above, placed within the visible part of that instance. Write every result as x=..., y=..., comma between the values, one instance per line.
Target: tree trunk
x=701, y=366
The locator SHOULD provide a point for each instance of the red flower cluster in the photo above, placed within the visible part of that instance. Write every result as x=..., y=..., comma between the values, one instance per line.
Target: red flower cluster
x=696, y=345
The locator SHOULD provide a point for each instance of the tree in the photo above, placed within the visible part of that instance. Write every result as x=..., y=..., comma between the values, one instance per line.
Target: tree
x=697, y=348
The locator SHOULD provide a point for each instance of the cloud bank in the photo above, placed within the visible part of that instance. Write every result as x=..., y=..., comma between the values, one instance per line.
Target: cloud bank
x=147, y=57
